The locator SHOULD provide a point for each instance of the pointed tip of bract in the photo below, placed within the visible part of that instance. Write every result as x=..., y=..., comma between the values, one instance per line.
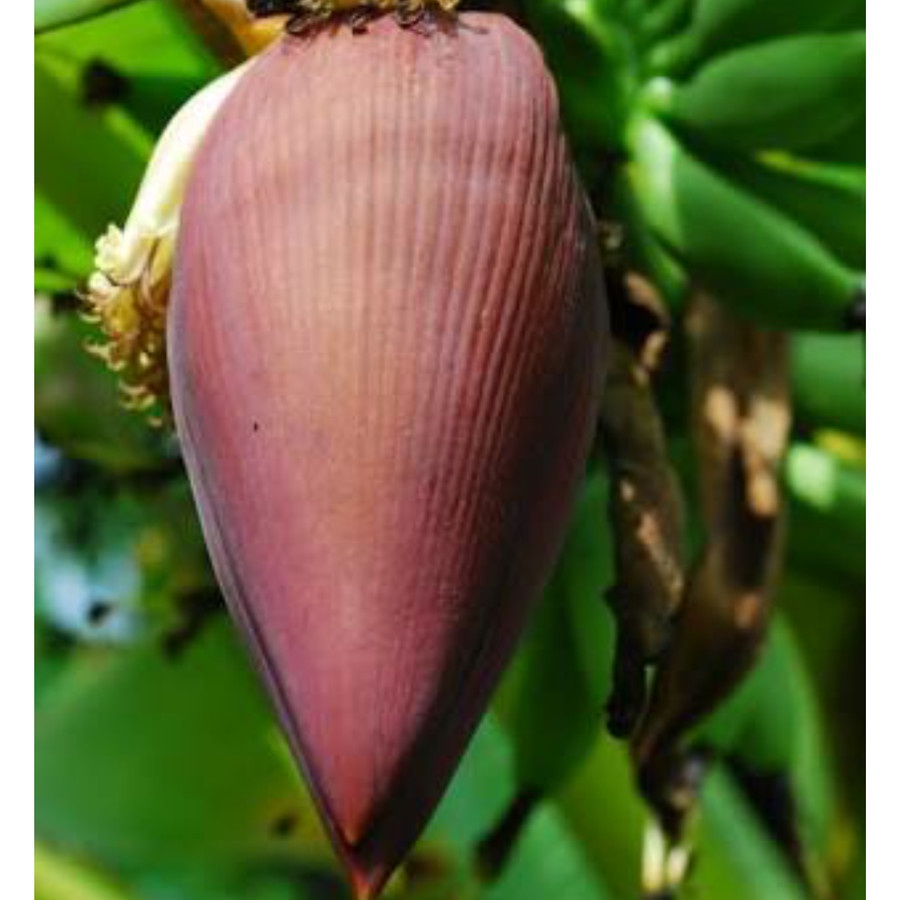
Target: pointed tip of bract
x=366, y=860
x=368, y=851
x=367, y=882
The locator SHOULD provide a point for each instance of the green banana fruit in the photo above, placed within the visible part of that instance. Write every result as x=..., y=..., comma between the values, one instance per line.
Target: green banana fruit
x=826, y=485
x=646, y=253
x=846, y=148
x=718, y=26
x=662, y=19
x=751, y=256
x=846, y=177
x=791, y=93
x=828, y=201
x=853, y=17
x=827, y=374
x=828, y=514
x=141, y=760
x=666, y=272
x=578, y=58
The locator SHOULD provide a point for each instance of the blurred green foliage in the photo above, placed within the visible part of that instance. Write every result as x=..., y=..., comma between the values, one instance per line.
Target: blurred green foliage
x=160, y=773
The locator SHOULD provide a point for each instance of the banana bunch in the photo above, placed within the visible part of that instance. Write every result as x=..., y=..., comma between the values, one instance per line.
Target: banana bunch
x=732, y=146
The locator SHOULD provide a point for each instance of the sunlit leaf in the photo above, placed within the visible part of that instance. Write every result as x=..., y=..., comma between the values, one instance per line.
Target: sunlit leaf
x=57, y=13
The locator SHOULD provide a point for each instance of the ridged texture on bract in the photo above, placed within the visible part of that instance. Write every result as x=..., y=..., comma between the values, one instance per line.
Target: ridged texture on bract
x=387, y=342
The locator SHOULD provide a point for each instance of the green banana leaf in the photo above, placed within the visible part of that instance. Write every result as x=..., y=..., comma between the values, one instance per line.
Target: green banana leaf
x=546, y=862
x=144, y=37
x=562, y=680
x=155, y=63
x=57, y=13
x=146, y=760
x=58, y=876
x=828, y=201
x=734, y=856
x=93, y=183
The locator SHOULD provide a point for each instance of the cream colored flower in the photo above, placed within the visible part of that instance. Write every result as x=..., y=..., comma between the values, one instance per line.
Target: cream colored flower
x=128, y=292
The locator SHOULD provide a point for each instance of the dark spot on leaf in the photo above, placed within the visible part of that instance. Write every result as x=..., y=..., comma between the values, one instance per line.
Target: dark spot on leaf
x=284, y=825
x=101, y=84
x=98, y=611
